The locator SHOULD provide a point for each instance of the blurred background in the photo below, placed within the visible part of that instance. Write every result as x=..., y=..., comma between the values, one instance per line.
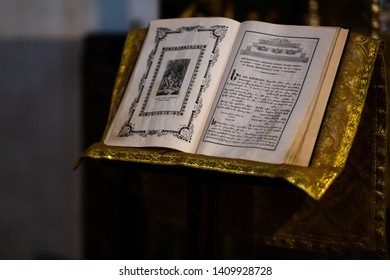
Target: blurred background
x=41, y=53
x=48, y=48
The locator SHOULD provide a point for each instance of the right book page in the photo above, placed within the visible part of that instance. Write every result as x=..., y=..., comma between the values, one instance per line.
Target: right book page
x=271, y=91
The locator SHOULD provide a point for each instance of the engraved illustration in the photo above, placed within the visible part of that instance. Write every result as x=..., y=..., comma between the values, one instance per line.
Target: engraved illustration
x=198, y=53
x=277, y=49
x=173, y=77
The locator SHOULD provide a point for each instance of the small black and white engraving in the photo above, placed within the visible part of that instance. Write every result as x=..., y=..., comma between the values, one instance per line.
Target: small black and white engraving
x=174, y=74
x=280, y=49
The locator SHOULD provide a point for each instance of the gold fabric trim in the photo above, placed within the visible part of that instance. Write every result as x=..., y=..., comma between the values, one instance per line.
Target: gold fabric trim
x=333, y=145
x=350, y=219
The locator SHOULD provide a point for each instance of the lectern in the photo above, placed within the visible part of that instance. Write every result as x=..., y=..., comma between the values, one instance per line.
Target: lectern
x=335, y=208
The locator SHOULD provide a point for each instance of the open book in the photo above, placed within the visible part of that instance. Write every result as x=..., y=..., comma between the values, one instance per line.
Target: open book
x=214, y=86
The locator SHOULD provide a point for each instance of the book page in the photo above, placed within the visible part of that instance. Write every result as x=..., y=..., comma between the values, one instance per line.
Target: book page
x=173, y=84
x=271, y=81
x=305, y=139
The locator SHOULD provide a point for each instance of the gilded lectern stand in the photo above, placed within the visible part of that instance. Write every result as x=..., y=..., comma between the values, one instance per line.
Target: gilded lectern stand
x=336, y=207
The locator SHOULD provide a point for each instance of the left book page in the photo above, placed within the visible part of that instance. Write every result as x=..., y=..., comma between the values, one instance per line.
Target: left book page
x=173, y=85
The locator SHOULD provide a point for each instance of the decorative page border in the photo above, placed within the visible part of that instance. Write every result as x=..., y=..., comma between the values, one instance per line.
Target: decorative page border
x=186, y=130
x=279, y=48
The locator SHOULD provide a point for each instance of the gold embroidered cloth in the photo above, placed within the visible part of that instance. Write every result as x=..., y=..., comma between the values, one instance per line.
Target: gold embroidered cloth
x=333, y=145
